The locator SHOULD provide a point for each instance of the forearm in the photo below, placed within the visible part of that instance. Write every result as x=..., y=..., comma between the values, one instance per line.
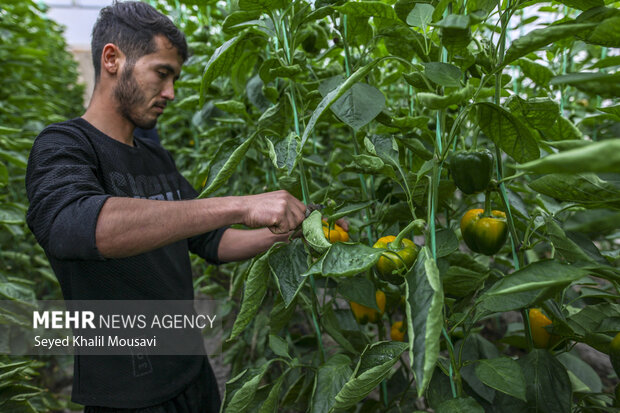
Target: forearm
x=130, y=226
x=238, y=244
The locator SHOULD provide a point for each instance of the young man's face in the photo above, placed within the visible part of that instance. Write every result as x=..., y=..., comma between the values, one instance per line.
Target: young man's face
x=144, y=89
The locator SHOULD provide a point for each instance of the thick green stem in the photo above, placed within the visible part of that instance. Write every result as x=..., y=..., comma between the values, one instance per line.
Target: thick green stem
x=417, y=223
x=356, y=149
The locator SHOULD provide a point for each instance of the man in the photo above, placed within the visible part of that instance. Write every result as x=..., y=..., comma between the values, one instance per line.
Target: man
x=100, y=207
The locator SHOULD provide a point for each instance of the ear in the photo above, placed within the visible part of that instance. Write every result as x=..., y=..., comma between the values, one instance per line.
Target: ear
x=111, y=59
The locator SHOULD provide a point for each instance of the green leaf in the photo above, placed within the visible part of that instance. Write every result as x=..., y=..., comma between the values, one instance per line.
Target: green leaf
x=455, y=32
x=421, y=16
x=367, y=164
x=287, y=262
x=221, y=61
x=581, y=374
x=507, y=132
x=424, y=317
x=257, y=277
x=606, y=33
x=224, y=162
x=235, y=20
x=443, y=74
x=284, y=153
x=240, y=390
x=586, y=189
x=4, y=175
x=262, y=5
x=312, y=228
x=360, y=290
x=357, y=106
x=270, y=405
x=446, y=242
x=539, y=113
x=540, y=74
x=612, y=110
x=374, y=366
x=600, y=83
x=566, y=247
x=330, y=379
x=536, y=39
x=345, y=260
x=562, y=129
x=4, y=130
x=502, y=374
x=598, y=157
x=548, y=385
x=279, y=346
x=434, y=101
x=583, y=4
x=232, y=106
x=368, y=9
x=536, y=276
x=460, y=405
x=334, y=95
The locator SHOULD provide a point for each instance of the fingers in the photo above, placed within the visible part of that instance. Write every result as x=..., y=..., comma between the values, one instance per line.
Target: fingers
x=279, y=211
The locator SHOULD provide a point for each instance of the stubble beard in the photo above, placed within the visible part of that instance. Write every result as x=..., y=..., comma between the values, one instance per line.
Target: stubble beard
x=130, y=97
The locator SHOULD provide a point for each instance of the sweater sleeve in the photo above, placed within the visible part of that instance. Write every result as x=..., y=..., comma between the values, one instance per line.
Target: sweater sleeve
x=65, y=195
x=204, y=245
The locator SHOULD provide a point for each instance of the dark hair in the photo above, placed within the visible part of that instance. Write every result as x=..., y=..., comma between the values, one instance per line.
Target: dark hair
x=132, y=26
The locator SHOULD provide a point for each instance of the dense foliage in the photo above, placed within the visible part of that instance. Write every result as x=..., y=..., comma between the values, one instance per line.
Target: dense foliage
x=360, y=107
x=39, y=86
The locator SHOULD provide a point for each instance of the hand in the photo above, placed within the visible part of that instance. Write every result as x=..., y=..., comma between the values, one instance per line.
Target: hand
x=279, y=211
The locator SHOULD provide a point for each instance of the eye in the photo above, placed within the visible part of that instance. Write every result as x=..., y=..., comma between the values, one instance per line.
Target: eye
x=162, y=74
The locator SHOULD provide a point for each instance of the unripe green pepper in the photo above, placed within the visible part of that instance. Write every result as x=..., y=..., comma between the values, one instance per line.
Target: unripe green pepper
x=395, y=262
x=472, y=171
x=485, y=235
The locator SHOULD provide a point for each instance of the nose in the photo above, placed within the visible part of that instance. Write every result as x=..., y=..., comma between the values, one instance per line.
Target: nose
x=168, y=91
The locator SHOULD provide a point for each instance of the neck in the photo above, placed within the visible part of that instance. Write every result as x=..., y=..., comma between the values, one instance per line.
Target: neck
x=103, y=114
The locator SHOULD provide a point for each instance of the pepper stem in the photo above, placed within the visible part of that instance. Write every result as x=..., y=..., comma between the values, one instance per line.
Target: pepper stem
x=487, y=204
x=416, y=223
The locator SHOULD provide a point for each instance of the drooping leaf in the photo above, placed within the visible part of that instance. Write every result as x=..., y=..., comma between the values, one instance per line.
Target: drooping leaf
x=583, y=377
x=600, y=83
x=507, y=132
x=287, y=263
x=329, y=380
x=253, y=294
x=224, y=163
x=538, y=38
x=536, y=276
x=240, y=390
x=374, y=366
x=284, y=152
x=585, y=188
x=312, y=228
x=221, y=61
x=424, y=316
x=502, y=374
x=548, y=385
x=434, y=101
x=540, y=74
x=345, y=260
x=443, y=74
x=601, y=156
x=360, y=290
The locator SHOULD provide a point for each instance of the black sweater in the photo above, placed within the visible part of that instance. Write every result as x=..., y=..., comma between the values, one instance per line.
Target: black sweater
x=73, y=169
